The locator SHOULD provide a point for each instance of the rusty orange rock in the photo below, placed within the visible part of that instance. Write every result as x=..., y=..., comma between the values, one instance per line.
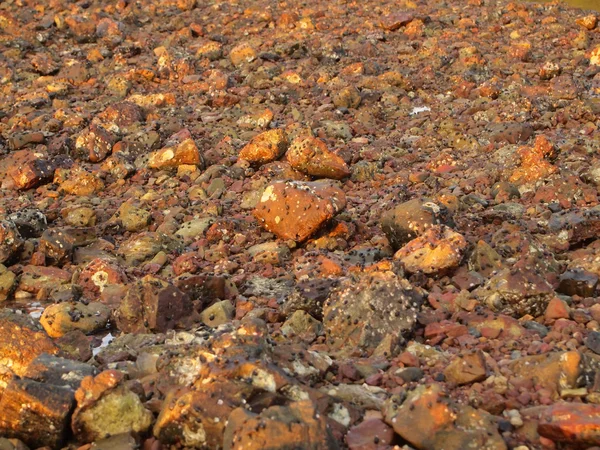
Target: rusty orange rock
x=534, y=162
x=573, y=423
x=185, y=152
x=436, y=250
x=311, y=156
x=295, y=210
x=265, y=147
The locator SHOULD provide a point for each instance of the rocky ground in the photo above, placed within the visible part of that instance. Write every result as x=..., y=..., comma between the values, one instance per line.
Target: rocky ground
x=283, y=225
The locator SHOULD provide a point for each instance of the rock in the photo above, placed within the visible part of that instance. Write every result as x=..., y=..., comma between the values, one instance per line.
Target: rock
x=516, y=292
x=395, y=21
x=270, y=253
x=437, y=250
x=555, y=371
x=58, y=244
x=593, y=341
x=79, y=216
x=511, y=132
x=94, y=144
x=140, y=247
x=194, y=229
x=197, y=419
x=485, y=260
x=7, y=283
x=37, y=413
x=58, y=371
x=33, y=172
x=578, y=282
x=23, y=340
x=186, y=152
x=410, y=374
x=359, y=314
x=218, y=314
x=411, y=219
x=152, y=305
x=534, y=162
x=348, y=97
x=10, y=240
x=574, y=424
x=242, y=54
x=61, y=318
x=429, y=420
x=124, y=441
x=297, y=425
x=467, y=368
x=75, y=345
x=77, y=181
x=300, y=323
x=98, y=274
x=106, y=407
x=30, y=222
x=296, y=210
x=266, y=147
x=36, y=279
x=309, y=295
x=311, y=156
x=369, y=435
x=557, y=309
x=131, y=218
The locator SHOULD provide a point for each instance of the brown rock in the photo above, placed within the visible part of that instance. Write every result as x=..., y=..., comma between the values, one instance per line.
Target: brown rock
x=58, y=371
x=38, y=278
x=436, y=250
x=152, y=305
x=294, y=426
x=295, y=210
x=131, y=218
x=311, y=156
x=61, y=318
x=32, y=173
x=393, y=22
x=411, y=219
x=557, y=309
x=185, y=152
x=37, y=413
x=7, y=282
x=467, y=368
x=77, y=181
x=534, y=162
x=242, y=54
x=574, y=424
x=58, y=244
x=94, y=144
x=22, y=341
x=348, y=97
x=10, y=240
x=98, y=274
x=266, y=147
x=106, y=407
x=369, y=435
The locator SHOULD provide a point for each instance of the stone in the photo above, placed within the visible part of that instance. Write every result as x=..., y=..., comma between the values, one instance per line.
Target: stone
x=348, y=97
x=556, y=371
x=395, y=21
x=140, y=247
x=437, y=250
x=106, y=407
x=516, y=292
x=467, y=368
x=194, y=229
x=7, y=283
x=593, y=341
x=242, y=54
x=218, y=313
x=57, y=371
x=485, y=260
x=121, y=118
x=410, y=219
x=75, y=345
x=58, y=244
x=131, y=218
x=30, y=222
x=429, y=420
x=578, y=282
x=32, y=173
x=265, y=147
x=295, y=210
x=37, y=413
x=79, y=216
x=360, y=313
x=186, y=152
x=296, y=425
x=10, y=240
x=574, y=424
x=557, y=309
x=300, y=323
x=152, y=305
x=123, y=441
x=77, y=181
x=61, y=318
x=23, y=340
x=36, y=279
x=309, y=295
x=369, y=435
x=197, y=418
x=99, y=273
x=311, y=156
x=535, y=164
x=94, y=144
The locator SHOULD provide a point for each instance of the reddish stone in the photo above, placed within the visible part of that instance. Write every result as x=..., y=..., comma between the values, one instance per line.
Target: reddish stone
x=311, y=156
x=571, y=423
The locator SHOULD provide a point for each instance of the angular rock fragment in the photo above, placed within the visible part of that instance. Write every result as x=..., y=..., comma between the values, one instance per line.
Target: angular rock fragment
x=106, y=407
x=467, y=368
x=185, y=152
x=429, y=420
x=152, y=305
x=98, y=274
x=61, y=318
x=131, y=218
x=10, y=240
x=574, y=424
x=516, y=292
x=7, y=282
x=266, y=147
x=77, y=181
x=242, y=54
x=58, y=371
x=293, y=426
x=141, y=247
x=436, y=250
x=23, y=340
x=369, y=435
x=37, y=413
x=32, y=173
x=535, y=164
x=30, y=222
x=311, y=156
x=411, y=219
x=35, y=279
x=58, y=244
x=94, y=144
x=359, y=314
x=218, y=314
x=295, y=210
